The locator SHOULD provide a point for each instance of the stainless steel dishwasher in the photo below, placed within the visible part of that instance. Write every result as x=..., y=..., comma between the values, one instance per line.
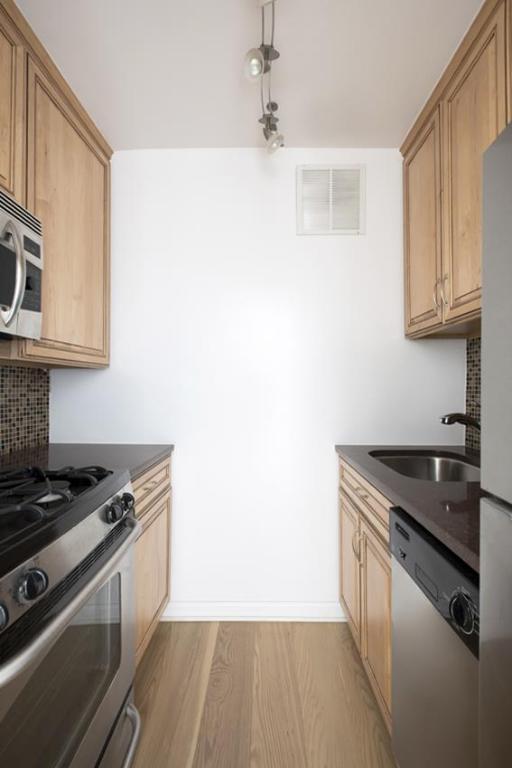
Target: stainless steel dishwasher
x=435, y=651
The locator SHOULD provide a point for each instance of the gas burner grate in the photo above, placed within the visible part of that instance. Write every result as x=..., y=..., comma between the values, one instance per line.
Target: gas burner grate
x=31, y=495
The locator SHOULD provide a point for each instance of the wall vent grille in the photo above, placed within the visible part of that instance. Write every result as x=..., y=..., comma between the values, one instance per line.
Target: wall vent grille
x=331, y=200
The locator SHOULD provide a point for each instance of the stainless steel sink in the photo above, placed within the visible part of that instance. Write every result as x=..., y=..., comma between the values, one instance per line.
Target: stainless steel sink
x=437, y=467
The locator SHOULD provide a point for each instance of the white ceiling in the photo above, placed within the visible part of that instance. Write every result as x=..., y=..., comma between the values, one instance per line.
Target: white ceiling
x=163, y=73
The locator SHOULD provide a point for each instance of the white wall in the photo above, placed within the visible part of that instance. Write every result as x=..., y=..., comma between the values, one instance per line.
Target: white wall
x=255, y=351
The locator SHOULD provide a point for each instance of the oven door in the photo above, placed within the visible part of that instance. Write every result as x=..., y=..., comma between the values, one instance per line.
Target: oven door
x=61, y=695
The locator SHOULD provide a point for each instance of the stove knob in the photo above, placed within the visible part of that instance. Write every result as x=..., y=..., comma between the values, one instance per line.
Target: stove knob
x=4, y=617
x=462, y=612
x=128, y=501
x=115, y=512
x=33, y=584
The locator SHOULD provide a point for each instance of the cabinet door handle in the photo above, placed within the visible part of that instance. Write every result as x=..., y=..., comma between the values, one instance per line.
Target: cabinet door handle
x=151, y=485
x=437, y=305
x=360, y=493
x=354, y=545
x=10, y=234
x=357, y=552
x=443, y=294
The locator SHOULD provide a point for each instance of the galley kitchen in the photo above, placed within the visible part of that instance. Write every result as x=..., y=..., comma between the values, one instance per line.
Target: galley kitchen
x=255, y=377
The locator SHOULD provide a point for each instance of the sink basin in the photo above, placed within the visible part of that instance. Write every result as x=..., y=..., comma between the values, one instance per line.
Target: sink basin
x=430, y=465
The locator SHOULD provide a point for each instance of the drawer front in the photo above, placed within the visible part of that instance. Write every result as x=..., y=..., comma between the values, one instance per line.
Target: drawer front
x=372, y=504
x=150, y=486
x=149, y=514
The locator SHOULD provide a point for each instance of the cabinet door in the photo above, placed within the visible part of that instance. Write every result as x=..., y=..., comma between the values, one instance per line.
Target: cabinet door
x=376, y=616
x=422, y=229
x=474, y=113
x=151, y=573
x=509, y=58
x=68, y=189
x=349, y=566
x=12, y=128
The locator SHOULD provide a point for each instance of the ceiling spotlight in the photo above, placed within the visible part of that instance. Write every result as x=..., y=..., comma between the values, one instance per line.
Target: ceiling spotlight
x=258, y=66
x=254, y=64
x=275, y=141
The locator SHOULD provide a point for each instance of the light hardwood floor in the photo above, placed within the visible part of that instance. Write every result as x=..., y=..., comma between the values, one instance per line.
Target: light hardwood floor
x=257, y=695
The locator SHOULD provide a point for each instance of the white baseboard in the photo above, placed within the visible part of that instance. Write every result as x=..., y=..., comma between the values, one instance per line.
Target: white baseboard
x=195, y=611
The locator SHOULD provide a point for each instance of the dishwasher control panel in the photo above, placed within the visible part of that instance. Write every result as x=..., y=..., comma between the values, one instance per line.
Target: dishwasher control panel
x=450, y=585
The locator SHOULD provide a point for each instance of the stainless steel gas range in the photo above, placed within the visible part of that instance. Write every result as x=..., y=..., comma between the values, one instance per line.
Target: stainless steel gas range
x=67, y=639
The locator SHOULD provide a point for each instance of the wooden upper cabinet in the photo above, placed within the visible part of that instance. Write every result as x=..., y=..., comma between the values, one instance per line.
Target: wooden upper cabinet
x=376, y=615
x=443, y=170
x=12, y=113
x=68, y=181
x=422, y=229
x=54, y=161
x=509, y=58
x=474, y=113
x=349, y=566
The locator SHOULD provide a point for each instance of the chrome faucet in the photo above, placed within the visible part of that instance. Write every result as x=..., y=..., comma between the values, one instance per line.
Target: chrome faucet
x=460, y=418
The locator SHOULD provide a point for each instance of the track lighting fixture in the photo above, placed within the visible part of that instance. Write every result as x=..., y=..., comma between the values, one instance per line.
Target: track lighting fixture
x=275, y=141
x=258, y=67
x=254, y=64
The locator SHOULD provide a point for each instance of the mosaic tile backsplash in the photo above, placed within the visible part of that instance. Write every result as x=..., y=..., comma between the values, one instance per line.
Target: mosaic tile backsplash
x=473, y=390
x=24, y=408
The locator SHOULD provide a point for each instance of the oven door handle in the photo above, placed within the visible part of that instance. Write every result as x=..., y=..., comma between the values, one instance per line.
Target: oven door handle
x=11, y=233
x=25, y=658
x=132, y=713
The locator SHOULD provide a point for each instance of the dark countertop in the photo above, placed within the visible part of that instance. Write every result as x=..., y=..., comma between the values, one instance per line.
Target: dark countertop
x=135, y=458
x=450, y=511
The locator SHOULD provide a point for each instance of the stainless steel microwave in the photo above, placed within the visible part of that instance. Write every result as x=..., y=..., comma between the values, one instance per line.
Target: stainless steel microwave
x=21, y=270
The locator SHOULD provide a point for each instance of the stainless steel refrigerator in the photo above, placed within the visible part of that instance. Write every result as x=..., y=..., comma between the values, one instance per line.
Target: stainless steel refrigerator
x=495, y=701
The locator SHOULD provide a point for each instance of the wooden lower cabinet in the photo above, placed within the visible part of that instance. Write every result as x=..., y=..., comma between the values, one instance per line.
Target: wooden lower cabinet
x=152, y=552
x=365, y=585
x=376, y=616
x=350, y=566
x=152, y=573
